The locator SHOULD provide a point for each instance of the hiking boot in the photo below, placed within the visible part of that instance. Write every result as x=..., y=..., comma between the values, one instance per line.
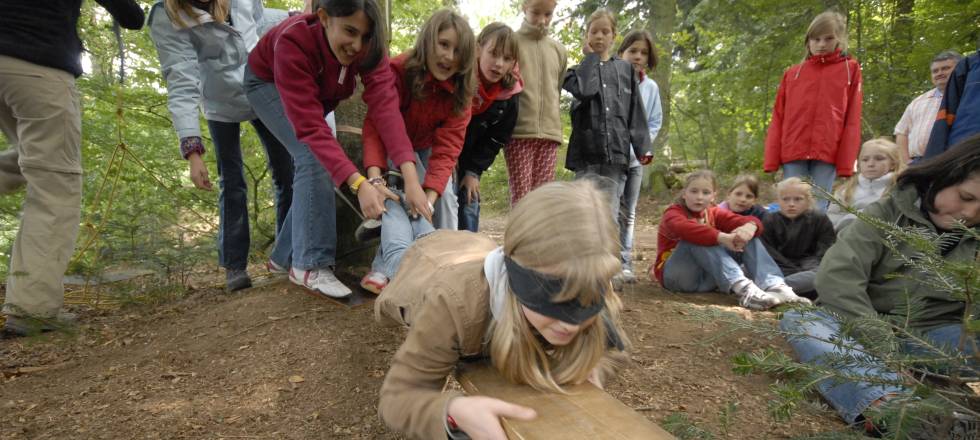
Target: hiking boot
x=787, y=295
x=374, y=282
x=321, y=281
x=237, y=279
x=752, y=297
x=17, y=326
x=368, y=229
x=274, y=268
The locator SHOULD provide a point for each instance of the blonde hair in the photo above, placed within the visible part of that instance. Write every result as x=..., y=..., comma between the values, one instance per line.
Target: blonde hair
x=827, y=22
x=416, y=67
x=583, y=250
x=696, y=175
x=846, y=191
x=599, y=14
x=219, y=10
x=795, y=182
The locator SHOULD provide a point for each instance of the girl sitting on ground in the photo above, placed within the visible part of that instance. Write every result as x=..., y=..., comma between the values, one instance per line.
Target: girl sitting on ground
x=435, y=82
x=878, y=166
x=797, y=236
x=541, y=307
x=743, y=197
x=863, y=275
x=701, y=248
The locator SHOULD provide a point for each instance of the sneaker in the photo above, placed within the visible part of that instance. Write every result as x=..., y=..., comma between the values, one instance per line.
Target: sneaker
x=368, y=229
x=237, y=279
x=374, y=282
x=274, y=268
x=752, y=297
x=628, y=276
x=319, y=280
x=17, y=326
x=787, y=295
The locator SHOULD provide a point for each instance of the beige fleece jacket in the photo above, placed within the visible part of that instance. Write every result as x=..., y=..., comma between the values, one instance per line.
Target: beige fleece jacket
x=543, y=61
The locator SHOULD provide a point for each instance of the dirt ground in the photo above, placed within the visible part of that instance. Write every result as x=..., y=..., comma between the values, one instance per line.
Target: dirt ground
x=272, y=362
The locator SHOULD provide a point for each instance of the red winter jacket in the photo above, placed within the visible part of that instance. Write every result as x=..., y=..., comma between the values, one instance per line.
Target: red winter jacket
x=817, y=115
x=311, y=82
x=430, y=122
x=680, y=224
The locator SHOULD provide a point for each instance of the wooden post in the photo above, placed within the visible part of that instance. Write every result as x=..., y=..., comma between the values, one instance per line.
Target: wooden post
x=585, y=413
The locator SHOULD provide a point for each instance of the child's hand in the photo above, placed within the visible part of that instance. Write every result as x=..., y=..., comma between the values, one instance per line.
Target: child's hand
x=471, y=187
x=745, y=232
x=586, y=47
x=646, y=159
x=418, y=203
x=479, y=416
x=728, y=241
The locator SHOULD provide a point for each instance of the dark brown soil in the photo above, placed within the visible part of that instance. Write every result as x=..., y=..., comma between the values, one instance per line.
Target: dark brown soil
x=275, y=363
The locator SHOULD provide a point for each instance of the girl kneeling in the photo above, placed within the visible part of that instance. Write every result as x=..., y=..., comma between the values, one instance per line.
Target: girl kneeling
x=541, y=307
x=700, y=246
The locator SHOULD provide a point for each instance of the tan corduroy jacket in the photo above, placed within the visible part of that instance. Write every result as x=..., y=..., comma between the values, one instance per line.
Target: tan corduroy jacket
x=441, y=293
x=542, y=61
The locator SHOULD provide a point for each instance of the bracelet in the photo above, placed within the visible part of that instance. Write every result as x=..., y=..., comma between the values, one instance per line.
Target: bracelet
x=377, y=181
x=191, y=144
x=357, y=183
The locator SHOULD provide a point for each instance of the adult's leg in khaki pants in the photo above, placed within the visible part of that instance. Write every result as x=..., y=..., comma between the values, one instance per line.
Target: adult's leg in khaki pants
x=40, y=115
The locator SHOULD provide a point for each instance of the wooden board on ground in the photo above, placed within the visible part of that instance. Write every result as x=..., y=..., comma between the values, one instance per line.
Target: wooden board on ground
x=586, y=413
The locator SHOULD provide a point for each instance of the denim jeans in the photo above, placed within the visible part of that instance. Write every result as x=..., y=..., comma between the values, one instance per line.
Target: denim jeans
x=398, y=230
x=822, y=174
x=469, y=210
x=233, y=228
x=627, y=214
x=308, y=237
x=850, y=399
x=693, y=268
x=611, y=179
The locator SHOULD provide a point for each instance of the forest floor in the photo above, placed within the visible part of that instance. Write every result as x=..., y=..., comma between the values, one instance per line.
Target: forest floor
x=271, y=362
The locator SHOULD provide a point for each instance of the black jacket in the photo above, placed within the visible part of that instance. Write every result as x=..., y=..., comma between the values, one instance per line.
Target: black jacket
x=486, y=133
x=607, y=115
x=44, y=32
x=799, y=244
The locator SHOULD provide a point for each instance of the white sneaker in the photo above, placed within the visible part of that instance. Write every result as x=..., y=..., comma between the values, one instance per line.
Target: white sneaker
x=787, y=295
x=319, y=280
x=752, y=297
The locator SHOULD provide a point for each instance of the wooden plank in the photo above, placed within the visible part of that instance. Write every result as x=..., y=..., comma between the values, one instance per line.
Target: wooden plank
x=585, y=413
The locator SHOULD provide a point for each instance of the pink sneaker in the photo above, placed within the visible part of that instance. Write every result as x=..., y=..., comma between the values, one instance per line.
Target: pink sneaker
x=274, y=268
x=319, y=280
x=374, y=282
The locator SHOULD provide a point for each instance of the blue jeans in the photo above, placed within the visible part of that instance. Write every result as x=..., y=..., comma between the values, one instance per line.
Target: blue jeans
x=850, y=399
x=308, y=237
x=627, y=214
x=233, y=228
x=398, y=230
x=611, y=179
x=469, y=210
x=693, y=268
x=822, y=174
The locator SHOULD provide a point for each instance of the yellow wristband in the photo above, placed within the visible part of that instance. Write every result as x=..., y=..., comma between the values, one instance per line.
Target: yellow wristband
x=357, y=183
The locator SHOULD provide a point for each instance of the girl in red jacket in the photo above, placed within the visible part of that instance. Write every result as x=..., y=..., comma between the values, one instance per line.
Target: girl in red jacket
x=700, y=248
x=435, y=82
x=815, y=130
x=297, y=73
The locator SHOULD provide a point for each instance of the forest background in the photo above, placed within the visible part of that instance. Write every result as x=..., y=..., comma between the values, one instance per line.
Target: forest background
x=720, y=65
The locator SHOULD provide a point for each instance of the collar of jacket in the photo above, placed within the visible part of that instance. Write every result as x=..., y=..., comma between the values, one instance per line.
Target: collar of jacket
x=533, y=32
x=834, y=57
x=909, y=205
x=875, y=184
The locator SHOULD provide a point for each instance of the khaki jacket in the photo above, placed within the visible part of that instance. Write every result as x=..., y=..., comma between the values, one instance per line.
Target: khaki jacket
x=440, y=292
x=543, y=61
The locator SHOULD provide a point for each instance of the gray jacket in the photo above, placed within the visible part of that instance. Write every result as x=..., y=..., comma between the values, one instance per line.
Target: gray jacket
x=203, y=64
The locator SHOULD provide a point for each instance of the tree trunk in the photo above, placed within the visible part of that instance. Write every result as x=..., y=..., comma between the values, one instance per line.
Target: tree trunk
x=661, y=25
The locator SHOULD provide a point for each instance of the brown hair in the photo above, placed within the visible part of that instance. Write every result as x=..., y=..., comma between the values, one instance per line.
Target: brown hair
x=641, y=35
x=416, y=68
x=376, y=41
x=601, y=13
x=827, y=22
x=749, y=181
x=504, y=43
x=219, y=10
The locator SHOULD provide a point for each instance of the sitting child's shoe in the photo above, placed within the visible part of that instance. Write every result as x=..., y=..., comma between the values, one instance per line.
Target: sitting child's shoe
x=368, y=229
x=374, y=282
x=787, y=295
x=752, y=297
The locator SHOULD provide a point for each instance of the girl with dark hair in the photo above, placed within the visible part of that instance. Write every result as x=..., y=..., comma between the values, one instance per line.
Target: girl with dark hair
x=435, y=82
x=207, y=43
x=863, y=275
x=299, y=71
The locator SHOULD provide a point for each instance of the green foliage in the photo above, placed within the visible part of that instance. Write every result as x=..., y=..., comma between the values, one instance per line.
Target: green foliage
x=683, y=428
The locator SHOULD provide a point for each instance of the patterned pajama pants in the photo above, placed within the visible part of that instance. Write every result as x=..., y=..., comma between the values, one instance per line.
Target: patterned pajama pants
x=530, y=164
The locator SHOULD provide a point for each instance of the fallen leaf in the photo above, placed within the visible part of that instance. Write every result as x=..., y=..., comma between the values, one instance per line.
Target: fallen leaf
x=296, y=379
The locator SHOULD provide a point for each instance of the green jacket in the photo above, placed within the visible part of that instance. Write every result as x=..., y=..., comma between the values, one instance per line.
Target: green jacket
x=854, y=276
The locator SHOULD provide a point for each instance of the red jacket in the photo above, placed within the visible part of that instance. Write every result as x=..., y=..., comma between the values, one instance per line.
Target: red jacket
x=311, y=82
x=430, y=122
x=817, y=115
x=680, y=224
